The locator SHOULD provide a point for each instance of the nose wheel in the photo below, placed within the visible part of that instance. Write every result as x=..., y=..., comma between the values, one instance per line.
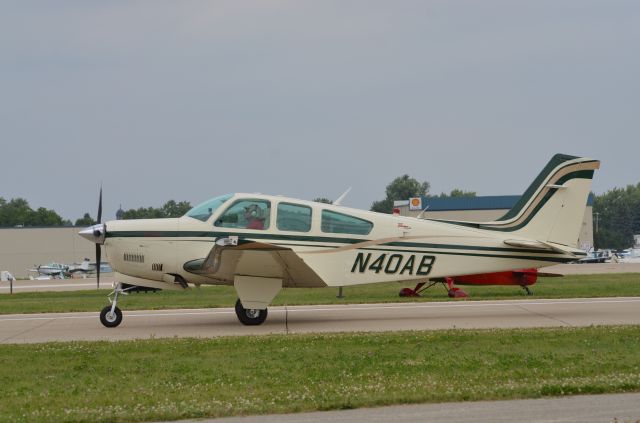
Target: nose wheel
x=111, y=316
x=250, y=316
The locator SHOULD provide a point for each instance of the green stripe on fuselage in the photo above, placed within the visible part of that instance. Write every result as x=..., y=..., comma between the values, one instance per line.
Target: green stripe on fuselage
x=277, y=238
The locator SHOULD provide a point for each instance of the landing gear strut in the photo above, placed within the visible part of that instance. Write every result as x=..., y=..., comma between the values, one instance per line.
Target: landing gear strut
x=452, y=291
x=250, y=316
x=111, y=316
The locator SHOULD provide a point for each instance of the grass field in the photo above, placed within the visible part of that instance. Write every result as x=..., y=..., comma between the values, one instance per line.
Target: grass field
x=150, y=380
x=609, y=285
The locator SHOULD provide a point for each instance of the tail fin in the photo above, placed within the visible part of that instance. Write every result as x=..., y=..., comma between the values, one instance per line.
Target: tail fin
x=552, y=208
x=85, y=264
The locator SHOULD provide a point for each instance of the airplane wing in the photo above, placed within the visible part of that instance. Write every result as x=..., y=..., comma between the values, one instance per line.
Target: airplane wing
x=252, y=258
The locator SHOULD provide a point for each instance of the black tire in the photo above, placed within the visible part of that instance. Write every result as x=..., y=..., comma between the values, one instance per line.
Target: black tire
x=110, y=320
x=250, y=317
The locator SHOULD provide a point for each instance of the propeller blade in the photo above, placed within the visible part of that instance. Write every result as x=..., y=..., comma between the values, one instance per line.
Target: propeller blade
x=98, y=257
x=100, y=206
x=98, y=249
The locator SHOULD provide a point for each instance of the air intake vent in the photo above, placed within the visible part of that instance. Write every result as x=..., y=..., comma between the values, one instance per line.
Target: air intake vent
x=157, y=267
x=135, y=258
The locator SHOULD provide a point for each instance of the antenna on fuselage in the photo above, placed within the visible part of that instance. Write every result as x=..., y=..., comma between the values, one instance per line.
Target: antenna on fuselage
x=422, y=212
x=342, y=197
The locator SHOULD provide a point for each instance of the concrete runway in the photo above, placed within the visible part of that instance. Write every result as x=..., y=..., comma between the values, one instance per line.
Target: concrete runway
x=574, y=409
x=33, y=328
x=593, y=268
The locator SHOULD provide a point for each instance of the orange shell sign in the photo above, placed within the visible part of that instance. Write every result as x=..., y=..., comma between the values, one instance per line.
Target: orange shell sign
x=415, y=203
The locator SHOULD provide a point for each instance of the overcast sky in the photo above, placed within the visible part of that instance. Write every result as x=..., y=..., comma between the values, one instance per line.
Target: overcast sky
x=187, y=100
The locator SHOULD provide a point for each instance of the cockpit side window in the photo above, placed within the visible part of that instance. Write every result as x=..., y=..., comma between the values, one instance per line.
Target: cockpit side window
x=338, y=223
x=246, y=214
x=204, y=211
x=293, y=217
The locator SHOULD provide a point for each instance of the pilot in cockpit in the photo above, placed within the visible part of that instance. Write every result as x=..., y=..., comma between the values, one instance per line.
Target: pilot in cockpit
x=254, y=217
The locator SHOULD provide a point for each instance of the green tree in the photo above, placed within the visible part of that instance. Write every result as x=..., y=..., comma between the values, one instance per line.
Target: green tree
x=458, y=193
x=85, y=220
x=173, y=209
x=401, y=188
x=45, y=217
x=18, y=212
x=143, y=213
x=169, y=209
x=616, y=216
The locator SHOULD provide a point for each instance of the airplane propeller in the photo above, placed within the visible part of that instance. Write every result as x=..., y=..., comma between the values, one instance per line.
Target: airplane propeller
x=98, y=249
x=96, y=234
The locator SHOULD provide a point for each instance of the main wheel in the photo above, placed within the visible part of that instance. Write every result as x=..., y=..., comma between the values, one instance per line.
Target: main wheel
x=109, y=319
x=250, y=316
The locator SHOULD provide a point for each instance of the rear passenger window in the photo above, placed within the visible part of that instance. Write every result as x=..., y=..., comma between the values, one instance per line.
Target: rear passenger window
x=293, y=217
x=339, y=223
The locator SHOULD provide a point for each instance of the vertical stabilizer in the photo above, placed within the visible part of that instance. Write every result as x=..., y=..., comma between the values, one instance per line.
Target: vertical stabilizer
x=552, y=208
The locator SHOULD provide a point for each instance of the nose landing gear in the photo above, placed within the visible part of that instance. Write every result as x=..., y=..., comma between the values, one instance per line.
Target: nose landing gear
x=111, y=316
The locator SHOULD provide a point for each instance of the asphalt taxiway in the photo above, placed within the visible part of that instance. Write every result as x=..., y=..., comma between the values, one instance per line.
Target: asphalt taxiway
x=33, y=328
x=52, y=285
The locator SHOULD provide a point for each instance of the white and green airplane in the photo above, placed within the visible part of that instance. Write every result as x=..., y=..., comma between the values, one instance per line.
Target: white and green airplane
x=262, y=243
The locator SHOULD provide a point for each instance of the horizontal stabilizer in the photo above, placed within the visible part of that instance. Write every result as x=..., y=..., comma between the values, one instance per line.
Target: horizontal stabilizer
x=542, y=246
x=525, y=243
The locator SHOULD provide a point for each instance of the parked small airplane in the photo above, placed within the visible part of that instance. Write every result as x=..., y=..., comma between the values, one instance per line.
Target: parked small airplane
x=85, y=267
x=630, y=255
x=51, y=270
x=523, y=278
x=262, y=243
x=597, y=256
x=62, y=271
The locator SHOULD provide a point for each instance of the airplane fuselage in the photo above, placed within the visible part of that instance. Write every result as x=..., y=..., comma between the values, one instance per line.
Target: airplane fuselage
x=396, y=249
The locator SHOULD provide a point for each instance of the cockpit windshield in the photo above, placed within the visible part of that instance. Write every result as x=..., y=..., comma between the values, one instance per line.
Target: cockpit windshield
x=204, y=211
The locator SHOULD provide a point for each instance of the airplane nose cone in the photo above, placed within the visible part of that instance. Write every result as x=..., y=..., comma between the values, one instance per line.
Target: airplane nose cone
x=95, y=233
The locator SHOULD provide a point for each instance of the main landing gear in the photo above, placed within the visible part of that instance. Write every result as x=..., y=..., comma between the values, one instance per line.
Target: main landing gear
x=250, y=316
